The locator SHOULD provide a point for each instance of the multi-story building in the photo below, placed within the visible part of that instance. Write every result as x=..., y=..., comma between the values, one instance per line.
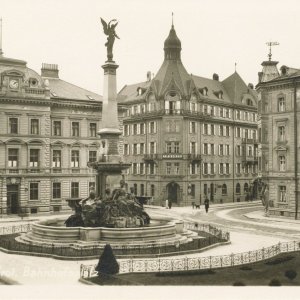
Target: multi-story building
x=189, y=137
x=278, y=105
x=48, y=133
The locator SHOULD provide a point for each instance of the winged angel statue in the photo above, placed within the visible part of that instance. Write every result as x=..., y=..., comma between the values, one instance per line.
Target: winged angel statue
x=109, y=30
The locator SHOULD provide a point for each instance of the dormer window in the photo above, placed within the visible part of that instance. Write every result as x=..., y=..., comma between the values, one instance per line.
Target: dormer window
x=140, y=91
x=219, y=94
x=204, y=91
x=90, y=97
x=33, y=82
x=249, y=102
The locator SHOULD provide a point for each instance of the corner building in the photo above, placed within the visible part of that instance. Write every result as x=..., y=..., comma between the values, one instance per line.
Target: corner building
x=48, y=133
x=278, y=105
x=188, y=136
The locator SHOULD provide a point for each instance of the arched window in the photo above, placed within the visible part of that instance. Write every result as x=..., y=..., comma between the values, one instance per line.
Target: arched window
x=238, y=188
x=246, y=187
x=224, y=189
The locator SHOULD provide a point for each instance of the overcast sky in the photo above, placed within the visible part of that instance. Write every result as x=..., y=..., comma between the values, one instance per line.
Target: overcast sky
x=214, y=35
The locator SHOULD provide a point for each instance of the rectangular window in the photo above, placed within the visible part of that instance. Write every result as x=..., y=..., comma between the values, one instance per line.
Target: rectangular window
x=151, y=168
x=238, y=150
x=56, y=159
x=176, y=147
x=33, y=191
x=221, y=149
x=168, y=126
x=142, y=169
x=212, y=129
x=176, y=168
x=126, y=149
x=142, y=128
x=13, y=156
x=34, y=126
x=205, y=149
x=74, y=189
x=152, y=148
x=135, y=131
x=227, y=130
x=281, y=133
x=126, y=130
x=227, y=168
x=135, y=152
x=281, y=104
x=227, y=149
x=221, y=168
x=282, y=163
x=93, y=129
x=193, y=147
x=168, y=147
x=152, y=190
x=56, y=190
x=212, y=168
x=193, y=168
x=92, y=185
x=205, y=128
x=238, y=168
x=212, y=149
x=142, y=148
x=205, y=168
x=192, y=127
x=75, y=159
x=221, y=130
x=192, y=190
x=13, y=125
x=152, y=127
x=134, y=168
x=282, y=193
x=57, y=128
x=75, y=128
x=34, y=158
x=168, y=168
x=92, y=156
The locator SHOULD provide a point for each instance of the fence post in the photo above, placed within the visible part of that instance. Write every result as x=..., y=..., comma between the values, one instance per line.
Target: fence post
x=210, y=262
x=232, y=259
x=263, y=253
x=186, y=263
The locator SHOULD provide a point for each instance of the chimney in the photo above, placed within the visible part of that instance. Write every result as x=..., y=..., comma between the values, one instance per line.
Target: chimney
x=148, y=76
x=215, y=77
x=250, y=86
x=49, y=70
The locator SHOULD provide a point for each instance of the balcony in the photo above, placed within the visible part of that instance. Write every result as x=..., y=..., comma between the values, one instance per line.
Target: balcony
x=249, y=141
x=44, y=171
x=169, y=112
x=250, y=159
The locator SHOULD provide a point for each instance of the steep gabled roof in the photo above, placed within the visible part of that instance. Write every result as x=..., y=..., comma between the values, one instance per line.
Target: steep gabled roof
x=130, y=92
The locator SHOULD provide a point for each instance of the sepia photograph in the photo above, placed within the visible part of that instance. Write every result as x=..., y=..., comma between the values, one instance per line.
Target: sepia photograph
x=149, y=149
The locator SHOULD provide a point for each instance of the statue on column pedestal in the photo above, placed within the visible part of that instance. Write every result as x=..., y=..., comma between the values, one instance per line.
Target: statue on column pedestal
x=109, y=30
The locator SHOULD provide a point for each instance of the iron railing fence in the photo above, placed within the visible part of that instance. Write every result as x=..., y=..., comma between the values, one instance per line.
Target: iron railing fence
x=157, y=265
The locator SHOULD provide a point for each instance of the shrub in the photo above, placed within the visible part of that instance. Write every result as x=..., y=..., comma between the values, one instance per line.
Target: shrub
x=279, y=260
x=274, y=282
x=107, y=264
x=290, y=274
x=246, y=268
x=239, y=283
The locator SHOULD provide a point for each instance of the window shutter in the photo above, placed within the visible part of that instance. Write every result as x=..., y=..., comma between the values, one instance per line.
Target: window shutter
x=149, y=148
x=190, y=127
x=219, y=150
x=209, y=129
x=166, y=104
x=203, y=169
x=190, y=169
x=208, y=149
x=208, y=169
x=196, y=146
x=178, y=105
x=138, y=148
x=154, y=168
x=219, y=168
x=229, y=113
x=138, y=129
x=149, y=127
x=214, y=168
x=203, y=148
x=155, y=148
x=154, y=126
x=229, y=131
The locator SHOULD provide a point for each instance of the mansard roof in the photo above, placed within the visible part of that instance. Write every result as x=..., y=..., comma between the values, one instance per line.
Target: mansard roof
x=63, y=89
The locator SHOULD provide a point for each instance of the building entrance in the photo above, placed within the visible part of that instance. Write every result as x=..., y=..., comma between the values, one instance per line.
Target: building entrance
x=173, y=192
x=12, y=198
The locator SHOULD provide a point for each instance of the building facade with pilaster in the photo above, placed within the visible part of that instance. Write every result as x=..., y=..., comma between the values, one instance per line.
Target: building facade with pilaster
x=189, y=137
x=279, y=114
x=48, y=133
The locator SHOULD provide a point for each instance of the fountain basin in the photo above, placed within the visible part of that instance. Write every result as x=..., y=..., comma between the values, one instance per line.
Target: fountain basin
x=54, y=232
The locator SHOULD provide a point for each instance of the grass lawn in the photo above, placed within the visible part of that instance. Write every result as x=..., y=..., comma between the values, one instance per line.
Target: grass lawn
x=258, y=274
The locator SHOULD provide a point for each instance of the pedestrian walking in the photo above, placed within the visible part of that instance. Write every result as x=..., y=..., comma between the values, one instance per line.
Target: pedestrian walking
x=206, y=204
x=170, y=204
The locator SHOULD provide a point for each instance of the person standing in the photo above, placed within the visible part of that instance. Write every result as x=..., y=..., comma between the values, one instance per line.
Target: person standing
x=167, y=203
x=206, y=204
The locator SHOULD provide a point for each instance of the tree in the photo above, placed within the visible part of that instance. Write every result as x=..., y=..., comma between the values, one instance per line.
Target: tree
x=107, y=264
x=290, y=274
